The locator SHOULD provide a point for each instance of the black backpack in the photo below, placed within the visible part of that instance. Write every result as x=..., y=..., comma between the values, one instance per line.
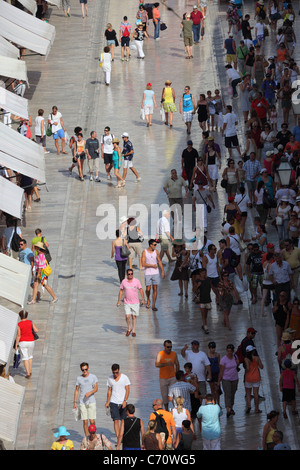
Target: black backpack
x=15, y=241
x=161, y=425
x=233, y=259
x=262, y=13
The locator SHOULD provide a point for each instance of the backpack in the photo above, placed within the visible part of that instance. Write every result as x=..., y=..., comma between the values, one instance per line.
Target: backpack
x=161, y=425
x=233, y=259
x=15, y=241
x=126, y=33
x=239, y=354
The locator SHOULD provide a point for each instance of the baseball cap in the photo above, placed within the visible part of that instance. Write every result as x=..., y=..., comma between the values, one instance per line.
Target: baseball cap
x=251, y=330
x=125, y=134
x=92, y=428
x=189, y=142
x=250, y=348
x=270, y=245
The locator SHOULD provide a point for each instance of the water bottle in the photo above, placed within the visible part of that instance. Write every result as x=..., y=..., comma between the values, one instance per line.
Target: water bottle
x=107, y=411
x=63, y=448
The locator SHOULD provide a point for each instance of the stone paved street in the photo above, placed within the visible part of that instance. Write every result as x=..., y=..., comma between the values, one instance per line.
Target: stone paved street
x=86, y=325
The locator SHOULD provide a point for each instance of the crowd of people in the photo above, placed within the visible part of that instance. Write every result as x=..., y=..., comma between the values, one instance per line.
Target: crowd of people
x=260, y=199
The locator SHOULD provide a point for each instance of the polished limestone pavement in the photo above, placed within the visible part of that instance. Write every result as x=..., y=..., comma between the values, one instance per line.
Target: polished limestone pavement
x=86, y=325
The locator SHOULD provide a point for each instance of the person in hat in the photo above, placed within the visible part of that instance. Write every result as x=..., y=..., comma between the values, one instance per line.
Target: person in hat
x=168, y=101
x=149, y=103
x=252, y=377
x=288, y=382
x=95, y=441
x=128, y=156
x=40, y=263
x=187, y=108
x=285, y=350
x=117, y=159
x=62, y=442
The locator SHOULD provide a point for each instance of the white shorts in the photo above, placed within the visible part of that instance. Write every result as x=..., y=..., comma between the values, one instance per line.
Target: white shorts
x=127, y=164
x=87, y=411
x=148, y=108
x=26, y=348
x=252, y=384
x=132, y=309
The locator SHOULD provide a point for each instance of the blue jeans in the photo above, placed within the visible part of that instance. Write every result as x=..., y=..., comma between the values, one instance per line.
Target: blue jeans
x=196, y=32
x=156, y=29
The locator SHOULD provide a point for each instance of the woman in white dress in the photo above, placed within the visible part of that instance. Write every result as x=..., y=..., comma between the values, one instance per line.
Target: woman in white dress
x=105, y=63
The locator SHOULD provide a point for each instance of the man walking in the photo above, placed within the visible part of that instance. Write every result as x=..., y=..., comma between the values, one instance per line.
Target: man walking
x=196, y=17
x=168, y=365
x=107, y=149
x=229, y=130
x=58, y=129
x=181, y=388
x=163, y=234
x=281, y=276
x=173, y=188
x=128, y=156
x=187, y=108
x=252, y=167
x=158, y=411
x=117, y=395
x=150, y=261
x=131, y=287
x=125, y=31
x=209, y=420
x=200, y=365
x=92, y=151
x=86, y=387
x=189, y=161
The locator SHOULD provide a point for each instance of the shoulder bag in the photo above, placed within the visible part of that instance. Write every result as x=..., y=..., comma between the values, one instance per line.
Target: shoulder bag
x=207, y=205
x=125, y=252
x=35, y=335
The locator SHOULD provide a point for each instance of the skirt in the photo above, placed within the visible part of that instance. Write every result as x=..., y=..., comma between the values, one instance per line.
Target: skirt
x=213, y=171
x=169, y=107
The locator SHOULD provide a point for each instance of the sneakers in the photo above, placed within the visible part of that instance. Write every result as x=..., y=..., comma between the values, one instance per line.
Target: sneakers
x=108, y=177
x=97, y=179
x=91, y=178
x=138, y=179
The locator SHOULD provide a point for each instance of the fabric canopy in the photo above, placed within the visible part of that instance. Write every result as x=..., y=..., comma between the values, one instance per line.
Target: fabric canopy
x=57, y=3
x=21, y=154
x=8, y=330
x=12, y=198
x=30, y=5
x=15, y=280
x=13, y=68
x=25, y=30
x=13, y=103
x=12, y=397
x=7, y=49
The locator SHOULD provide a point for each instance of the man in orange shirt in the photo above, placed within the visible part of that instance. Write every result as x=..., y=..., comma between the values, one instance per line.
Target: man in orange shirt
x=168, y=364
x=168, y=417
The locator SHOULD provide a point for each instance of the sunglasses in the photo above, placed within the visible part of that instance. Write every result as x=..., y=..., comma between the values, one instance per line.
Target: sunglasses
x=84, y=370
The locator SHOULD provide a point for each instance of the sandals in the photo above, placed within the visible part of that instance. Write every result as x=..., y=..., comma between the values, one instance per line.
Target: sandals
x=134, y=335
x=31, y=302
x=128, y=332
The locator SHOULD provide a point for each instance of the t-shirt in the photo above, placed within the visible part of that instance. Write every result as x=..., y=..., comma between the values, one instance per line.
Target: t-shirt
x=106, y=140
x=55, y=118
x=131, y=290
x=86, y=384
x=125, y=29
x=35, y=240
x=168, y=417
x=148, y=97
x=260, y=28
x=187, y=28
x=118, y=388
x=92, y=146
x=230, y=372
x=38, y=126
x=189, y=158
x=296, y=133
x=68, y=445
x=242, y=200
x=254, y=260
x=210, y=423
x=26, y=256
x=199, y=360
x=127, y=147
x=201, y=196
x=230, y=119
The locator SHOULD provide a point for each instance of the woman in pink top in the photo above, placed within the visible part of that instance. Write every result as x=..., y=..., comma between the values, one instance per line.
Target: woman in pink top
x=40, y=264
x=25, y=340
x=230, y=378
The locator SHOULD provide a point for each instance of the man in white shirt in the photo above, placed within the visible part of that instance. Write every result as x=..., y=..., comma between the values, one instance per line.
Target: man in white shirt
x=164, y=235
x=117, y=395
x=234, y=78
x=58, y=129
x=107, y=149
x=201, y=365
x=229, y=130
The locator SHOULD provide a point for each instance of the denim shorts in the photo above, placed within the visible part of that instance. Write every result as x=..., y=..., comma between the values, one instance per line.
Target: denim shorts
x=117, y=412
x=111, y=42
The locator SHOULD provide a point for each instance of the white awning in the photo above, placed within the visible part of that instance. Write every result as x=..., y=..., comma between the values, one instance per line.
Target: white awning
x=11, y=198
x=12, y=397
x=14, y=103
x=21, y=154
x=25, y=30
x=56, y=3
x=7, y=49
x=15, y=280
x=8, y=331
x=30, y=5
x=13, y=68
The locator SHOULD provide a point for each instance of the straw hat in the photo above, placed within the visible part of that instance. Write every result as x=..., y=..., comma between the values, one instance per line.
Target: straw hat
x=40, y=245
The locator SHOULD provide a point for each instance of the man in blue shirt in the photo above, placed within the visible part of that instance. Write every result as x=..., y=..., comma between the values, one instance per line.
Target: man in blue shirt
x=128, y=156
x=252, y=168
x=208, y=416
x=25, y=254
x=268, y=89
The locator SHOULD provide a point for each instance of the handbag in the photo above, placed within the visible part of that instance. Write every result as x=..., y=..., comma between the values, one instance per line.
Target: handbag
x=49, y=129
x=163, y=26
x=17, y=359
x=224, y=183
x=116, y=42
x=125, y=252
x=268, y=201
x=142, y=114
x=162, y=114
x=101, y=61
x=35, y=335
x=47, y=270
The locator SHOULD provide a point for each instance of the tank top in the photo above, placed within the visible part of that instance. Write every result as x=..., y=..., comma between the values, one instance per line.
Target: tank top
x=211, y=159
x=118, y=255
x=133, y=236
x=151, y=258
x=131, y=436
x=187, y=103
x=168, y=371
x=80, y=146
x=179, y=417
x=150, y=442
x=211, y=267
x=214, y=364
x=26, y=330
x=253, y=374
x=168, y=95
x=269, y=438
x=200, y=176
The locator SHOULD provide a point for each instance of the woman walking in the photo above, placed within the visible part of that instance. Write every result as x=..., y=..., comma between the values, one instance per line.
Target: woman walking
x=180, y=274
x=105, y=62
x=25, y=341
x=149, y=103
x=40, y=277
x=117, y=159
x=252, y=377
x=203, y=111
x=116, y=251
x=151, y=439
x=226, y=298
x=229, y=377
x=214, y=359
x=79, y=154
x=269, y=428
x=168, y=100
x=111, y=38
